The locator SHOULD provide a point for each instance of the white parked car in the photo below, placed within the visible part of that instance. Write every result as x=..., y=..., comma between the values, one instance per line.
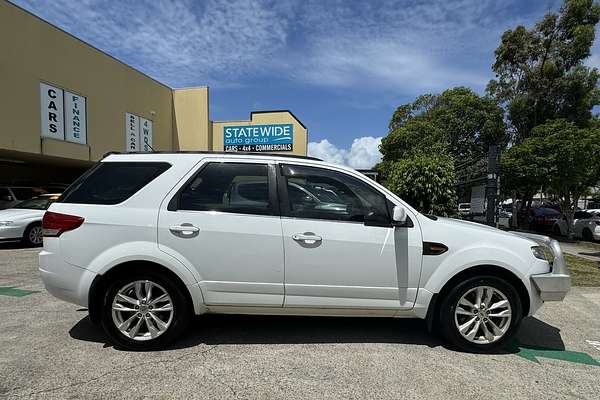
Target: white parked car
x=145, y=241
x=586, y=225
x=23, y=222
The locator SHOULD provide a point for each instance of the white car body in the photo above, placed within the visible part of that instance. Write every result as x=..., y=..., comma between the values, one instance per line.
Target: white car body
x=14, y=221
x=256, y=264
x=586, y=226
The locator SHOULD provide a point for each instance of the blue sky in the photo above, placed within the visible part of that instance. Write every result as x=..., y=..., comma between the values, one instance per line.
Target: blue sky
x=341, y=66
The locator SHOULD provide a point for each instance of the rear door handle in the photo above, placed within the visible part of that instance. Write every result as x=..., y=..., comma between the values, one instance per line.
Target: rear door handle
x=306, y=238
x=184, y=230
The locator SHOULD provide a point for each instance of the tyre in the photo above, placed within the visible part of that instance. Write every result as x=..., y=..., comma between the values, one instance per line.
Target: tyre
x=33, y=236
x=480, y=314
x=144, y=311
x=587, y=235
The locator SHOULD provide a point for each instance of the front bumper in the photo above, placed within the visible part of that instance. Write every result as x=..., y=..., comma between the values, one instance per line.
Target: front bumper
x=553, y=285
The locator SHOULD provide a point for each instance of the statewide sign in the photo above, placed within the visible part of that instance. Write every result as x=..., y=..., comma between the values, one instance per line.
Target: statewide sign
x=278, y=137
x=51, y=109
x=75, y=118
x=138, y=133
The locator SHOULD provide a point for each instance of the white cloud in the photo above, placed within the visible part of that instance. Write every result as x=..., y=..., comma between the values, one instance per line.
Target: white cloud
x=181, y=43
x=363, y=154
x=387, y=46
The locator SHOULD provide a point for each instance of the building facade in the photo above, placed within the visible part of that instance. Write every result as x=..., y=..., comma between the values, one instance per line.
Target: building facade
x=65, y=104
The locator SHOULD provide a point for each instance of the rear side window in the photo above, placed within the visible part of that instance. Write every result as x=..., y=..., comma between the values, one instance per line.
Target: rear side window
x=229, y=187
x=113, y=182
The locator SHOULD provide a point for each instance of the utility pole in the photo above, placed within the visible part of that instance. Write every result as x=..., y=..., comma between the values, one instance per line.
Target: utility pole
x=491, y=187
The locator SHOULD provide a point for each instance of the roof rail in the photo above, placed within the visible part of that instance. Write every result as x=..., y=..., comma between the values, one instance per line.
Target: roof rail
x=213, y=152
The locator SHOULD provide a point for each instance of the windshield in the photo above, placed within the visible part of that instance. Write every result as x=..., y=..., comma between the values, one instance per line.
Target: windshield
x=37, y=203
x=25, y=193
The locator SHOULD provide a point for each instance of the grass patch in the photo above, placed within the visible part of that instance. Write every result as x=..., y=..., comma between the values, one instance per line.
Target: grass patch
x=589, y=245
x=583, y=272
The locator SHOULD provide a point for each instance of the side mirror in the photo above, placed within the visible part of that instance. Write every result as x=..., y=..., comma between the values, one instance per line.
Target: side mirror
x=399, y=216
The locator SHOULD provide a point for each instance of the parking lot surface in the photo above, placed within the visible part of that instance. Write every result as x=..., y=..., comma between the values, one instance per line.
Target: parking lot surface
x=49, y=349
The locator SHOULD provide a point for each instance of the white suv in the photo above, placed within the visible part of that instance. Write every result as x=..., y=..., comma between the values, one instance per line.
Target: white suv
x=145, y=241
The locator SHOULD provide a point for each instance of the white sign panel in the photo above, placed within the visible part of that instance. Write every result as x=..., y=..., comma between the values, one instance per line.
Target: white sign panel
x=146, y=134
x=52, y=116
x=75, y=118
x=132, y=132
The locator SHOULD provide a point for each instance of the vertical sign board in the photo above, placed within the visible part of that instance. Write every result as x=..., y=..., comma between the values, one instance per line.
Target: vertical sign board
x=52, y=112
x=132, y=132
x=276, y=137
x=75, y=118
x=146, y=134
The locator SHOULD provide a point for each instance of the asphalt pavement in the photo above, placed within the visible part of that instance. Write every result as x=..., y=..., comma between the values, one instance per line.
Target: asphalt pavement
x=49, y=349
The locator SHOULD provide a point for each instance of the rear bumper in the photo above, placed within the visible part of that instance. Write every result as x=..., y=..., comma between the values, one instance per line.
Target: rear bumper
x=553, y=285
x=63, y=280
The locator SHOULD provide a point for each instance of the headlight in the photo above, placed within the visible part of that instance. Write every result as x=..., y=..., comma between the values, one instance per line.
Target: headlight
x=539, y=252
x=5, y=223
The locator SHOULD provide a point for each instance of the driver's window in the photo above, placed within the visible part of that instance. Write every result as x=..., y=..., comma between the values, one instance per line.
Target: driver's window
x=325, y=194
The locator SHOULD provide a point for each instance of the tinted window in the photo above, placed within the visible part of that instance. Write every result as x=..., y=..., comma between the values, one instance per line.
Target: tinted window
x=37, y=203
x=113, y=182
x=582, y=215
x=26, y=193
x=324, y=194
x=229, y=187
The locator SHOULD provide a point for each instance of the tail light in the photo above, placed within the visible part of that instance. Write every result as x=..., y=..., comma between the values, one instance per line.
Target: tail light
x=54, y=224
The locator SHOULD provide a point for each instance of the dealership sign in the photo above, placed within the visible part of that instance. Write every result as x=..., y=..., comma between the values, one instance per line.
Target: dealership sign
x=63, y=114
x=277, y=137
x=138, y=133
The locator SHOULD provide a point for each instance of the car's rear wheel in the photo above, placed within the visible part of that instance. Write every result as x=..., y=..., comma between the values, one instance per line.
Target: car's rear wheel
x=33, y=235
x=587, y=235
x=480, y=314
x=144, y=311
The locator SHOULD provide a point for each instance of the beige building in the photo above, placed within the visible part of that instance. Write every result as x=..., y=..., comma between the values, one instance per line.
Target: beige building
x=65, y=104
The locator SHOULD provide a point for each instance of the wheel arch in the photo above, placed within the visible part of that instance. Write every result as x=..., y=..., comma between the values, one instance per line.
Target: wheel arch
x=101, y=282
x=487, y=269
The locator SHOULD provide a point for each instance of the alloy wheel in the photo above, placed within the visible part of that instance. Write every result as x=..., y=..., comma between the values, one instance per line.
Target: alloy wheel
x=36, y=235
x=142, y=310
x=483, y=315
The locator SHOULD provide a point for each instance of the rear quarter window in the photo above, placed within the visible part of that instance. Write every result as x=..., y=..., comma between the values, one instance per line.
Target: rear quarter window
x=113, y=182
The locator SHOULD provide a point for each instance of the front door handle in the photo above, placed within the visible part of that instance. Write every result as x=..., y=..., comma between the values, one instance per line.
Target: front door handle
x=184, y=230
x=307, y=238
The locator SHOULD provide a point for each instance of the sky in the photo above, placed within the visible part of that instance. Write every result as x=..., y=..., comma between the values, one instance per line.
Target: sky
x=341, y=66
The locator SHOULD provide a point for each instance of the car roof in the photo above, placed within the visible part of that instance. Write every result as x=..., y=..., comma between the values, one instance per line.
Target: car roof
x=198, y=155
x=220, y=153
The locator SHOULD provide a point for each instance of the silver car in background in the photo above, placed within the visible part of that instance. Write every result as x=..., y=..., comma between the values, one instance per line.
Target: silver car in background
x=23, y=222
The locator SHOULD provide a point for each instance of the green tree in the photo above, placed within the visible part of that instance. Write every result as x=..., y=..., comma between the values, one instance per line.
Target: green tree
x=559, y=157
x=458, y=122
x=426, y=182
x=540, y=73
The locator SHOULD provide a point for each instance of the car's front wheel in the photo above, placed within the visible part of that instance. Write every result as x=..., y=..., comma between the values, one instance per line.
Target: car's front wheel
x=144, y=311
x=480, y=314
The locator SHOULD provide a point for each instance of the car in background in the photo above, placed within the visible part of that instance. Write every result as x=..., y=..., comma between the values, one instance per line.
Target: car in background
x=586, y=225
x=464, y=208
x=23, y=222
x=543, y=218
x=11, y=195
